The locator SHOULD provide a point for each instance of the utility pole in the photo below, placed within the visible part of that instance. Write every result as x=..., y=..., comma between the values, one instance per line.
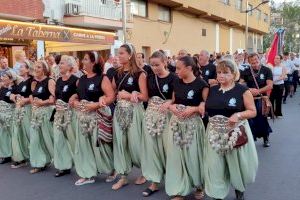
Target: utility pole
x=246, y=26
x=124, y=20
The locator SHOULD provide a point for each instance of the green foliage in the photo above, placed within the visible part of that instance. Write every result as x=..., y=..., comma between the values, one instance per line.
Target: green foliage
x=290, y=12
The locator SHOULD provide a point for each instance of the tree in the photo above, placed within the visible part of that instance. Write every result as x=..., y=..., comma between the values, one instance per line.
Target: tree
x=288, y=14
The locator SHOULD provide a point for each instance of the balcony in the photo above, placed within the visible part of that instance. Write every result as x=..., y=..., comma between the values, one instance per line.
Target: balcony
x=104, y=14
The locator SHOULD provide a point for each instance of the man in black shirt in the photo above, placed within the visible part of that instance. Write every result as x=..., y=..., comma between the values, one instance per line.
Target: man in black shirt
x=208, y=69
x=140, y=59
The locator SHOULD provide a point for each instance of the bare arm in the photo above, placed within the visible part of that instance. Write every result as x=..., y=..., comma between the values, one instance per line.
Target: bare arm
x=108, y=90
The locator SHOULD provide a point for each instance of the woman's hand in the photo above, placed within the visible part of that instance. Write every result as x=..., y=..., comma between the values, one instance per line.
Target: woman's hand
x=165, y=106
x=189, y=111
x=233, y=120
x=123, y=95
x=134, y=97
x=76, y=104
x=202, y=109
x=88, y=107
x=102, y=102
x=174, y=109
x=38, y=102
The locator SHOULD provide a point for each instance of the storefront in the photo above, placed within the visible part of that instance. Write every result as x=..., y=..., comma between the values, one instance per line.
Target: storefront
x=58, y=39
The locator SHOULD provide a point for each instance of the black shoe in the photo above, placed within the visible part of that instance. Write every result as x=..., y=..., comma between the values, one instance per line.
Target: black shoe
x=284, y=102
x=62, y=172
x=266, y=143
x=239, y=195
x=5, y=160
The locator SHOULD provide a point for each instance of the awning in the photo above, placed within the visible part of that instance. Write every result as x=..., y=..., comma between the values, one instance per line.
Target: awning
x=31, y=31
x=52, y=47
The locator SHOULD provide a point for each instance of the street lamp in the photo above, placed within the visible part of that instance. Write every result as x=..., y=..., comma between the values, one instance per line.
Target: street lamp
x=247, y=11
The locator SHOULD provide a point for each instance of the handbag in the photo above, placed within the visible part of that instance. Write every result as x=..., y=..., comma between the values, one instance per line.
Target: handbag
x=242, y=138
x=266, y=103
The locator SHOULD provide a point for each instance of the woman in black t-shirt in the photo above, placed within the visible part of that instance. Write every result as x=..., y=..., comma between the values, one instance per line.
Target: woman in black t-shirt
x=41, y=131
x=92, y=153
x=259, y=125
x=130, y=85
x=228, y=106
x=22, y=117
x=63, y=131
x=8, y=80
x=184, y=138
x=160, y=89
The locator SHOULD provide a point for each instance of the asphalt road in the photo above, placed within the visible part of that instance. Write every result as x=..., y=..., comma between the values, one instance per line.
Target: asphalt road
x=278, y=177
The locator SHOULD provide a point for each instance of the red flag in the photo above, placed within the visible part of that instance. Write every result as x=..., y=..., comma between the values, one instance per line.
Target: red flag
x=273, y=51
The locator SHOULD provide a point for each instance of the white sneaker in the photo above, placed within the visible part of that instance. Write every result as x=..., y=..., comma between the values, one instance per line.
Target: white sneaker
x=84, y=181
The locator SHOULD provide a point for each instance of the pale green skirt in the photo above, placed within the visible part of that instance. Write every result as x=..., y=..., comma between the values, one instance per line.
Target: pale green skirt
x=154, y=152
x=21, y=133
x=6, y=131
x=41, y=139
x=88, y=158
x=237, y=168
x=184, y=167
x=64, y=141
x=127, y=145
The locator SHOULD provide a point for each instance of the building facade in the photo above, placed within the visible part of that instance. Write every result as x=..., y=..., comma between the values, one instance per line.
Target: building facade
x=215, y=25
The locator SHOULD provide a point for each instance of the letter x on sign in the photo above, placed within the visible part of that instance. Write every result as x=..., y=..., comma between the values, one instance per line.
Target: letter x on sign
x=66, y=35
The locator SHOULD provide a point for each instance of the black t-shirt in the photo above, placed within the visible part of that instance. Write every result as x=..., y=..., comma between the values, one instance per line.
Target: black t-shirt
x=243, y=69
x=24, y=88
x=226, y=104
x=261, y=77
x=65, y=89
x=41, y=89
x=189, y=94
x=148, y=70
x=130, y=82
x=111, y=72
x=209, y=72
x=6, y=92
x=166, y=86
x=90, y=88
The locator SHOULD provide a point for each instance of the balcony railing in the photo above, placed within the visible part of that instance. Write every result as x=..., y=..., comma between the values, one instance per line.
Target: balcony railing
x=106, y=9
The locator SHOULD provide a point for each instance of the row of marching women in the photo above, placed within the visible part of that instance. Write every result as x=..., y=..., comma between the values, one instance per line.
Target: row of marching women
x=98, y=123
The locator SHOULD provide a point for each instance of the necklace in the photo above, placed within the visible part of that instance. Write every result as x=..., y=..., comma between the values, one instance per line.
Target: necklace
x=226, y=89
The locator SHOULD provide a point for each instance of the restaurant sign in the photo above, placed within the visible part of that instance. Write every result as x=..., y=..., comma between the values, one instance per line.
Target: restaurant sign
x=31, y=31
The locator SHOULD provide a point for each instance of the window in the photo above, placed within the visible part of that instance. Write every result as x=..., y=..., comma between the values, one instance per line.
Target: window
x=258, y=14
x=139, y=7
x=164, y=13
x=239, y=4
x=225, y=2
x=250, y=7
x=266, y=17
x=203, y=32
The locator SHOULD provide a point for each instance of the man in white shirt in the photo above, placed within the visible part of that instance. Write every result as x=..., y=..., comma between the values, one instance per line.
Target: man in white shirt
x=288, y=83
x=296, y=63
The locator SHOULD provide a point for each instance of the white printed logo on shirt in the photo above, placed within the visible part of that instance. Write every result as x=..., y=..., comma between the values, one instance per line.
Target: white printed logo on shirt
x=8, y=93
x=91, y=86
x=190, y=94
x=206, y=72
x=24, y=88
x=262, y=76
x=40, y=90
x=65, y=89
x=232, y=102
x=130, y=81
x=165, y=88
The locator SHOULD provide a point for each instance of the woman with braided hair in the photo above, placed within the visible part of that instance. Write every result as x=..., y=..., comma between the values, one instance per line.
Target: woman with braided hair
x=130, y=84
